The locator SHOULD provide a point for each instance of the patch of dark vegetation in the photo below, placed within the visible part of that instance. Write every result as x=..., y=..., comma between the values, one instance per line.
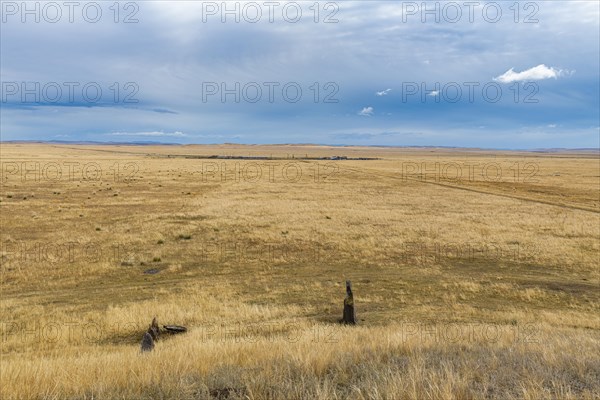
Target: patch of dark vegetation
x=572, y=288
x=227, y=393
x=221, y=157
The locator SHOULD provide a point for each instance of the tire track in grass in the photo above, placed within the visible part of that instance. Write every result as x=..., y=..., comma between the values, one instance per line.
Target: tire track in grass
x=480, y=191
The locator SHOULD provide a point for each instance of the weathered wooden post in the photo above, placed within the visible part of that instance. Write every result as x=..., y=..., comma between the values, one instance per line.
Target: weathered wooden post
x=349, y=313
x=150, y=336
x=154, y=330
x=147, y=342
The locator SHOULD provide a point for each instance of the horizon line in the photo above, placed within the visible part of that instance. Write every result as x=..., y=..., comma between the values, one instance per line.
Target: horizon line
x=158, y=143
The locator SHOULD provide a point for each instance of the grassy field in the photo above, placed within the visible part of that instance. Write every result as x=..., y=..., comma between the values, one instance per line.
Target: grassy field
x=475, y=273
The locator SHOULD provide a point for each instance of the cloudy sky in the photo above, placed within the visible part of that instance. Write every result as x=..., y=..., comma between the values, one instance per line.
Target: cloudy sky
x=491, y=75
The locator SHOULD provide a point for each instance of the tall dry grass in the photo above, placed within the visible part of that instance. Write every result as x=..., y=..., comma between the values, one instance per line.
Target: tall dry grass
x=466, y=288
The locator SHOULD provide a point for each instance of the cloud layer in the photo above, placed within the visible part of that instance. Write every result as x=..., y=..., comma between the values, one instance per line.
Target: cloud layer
x=373, y=71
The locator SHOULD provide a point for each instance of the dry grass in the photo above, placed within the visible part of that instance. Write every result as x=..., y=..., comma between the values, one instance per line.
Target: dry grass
x=465, y=288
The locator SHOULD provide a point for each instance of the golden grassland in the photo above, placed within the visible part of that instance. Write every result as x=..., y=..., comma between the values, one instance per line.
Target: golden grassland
x=475, y=272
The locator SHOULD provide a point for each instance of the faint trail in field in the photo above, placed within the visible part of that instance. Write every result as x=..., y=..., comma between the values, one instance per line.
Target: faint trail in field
x=42, y=293
x=573, y=207
x=103, y=150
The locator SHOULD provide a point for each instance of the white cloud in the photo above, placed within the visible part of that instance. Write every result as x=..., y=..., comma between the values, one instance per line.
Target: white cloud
x=532, y=74
x=154, y=134
x=434, y=93
x=366, y=112
x=383, y=93
x=552, y=126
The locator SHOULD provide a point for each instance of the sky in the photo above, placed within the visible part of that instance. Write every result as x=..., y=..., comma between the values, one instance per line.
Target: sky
x=505, y=74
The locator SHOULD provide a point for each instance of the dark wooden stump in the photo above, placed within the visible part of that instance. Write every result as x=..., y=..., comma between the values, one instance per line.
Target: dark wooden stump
x=147, y=342
x=154, y=330
x=349, y=316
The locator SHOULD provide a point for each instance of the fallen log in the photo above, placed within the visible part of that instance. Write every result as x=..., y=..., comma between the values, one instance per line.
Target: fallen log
x=174, y=329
